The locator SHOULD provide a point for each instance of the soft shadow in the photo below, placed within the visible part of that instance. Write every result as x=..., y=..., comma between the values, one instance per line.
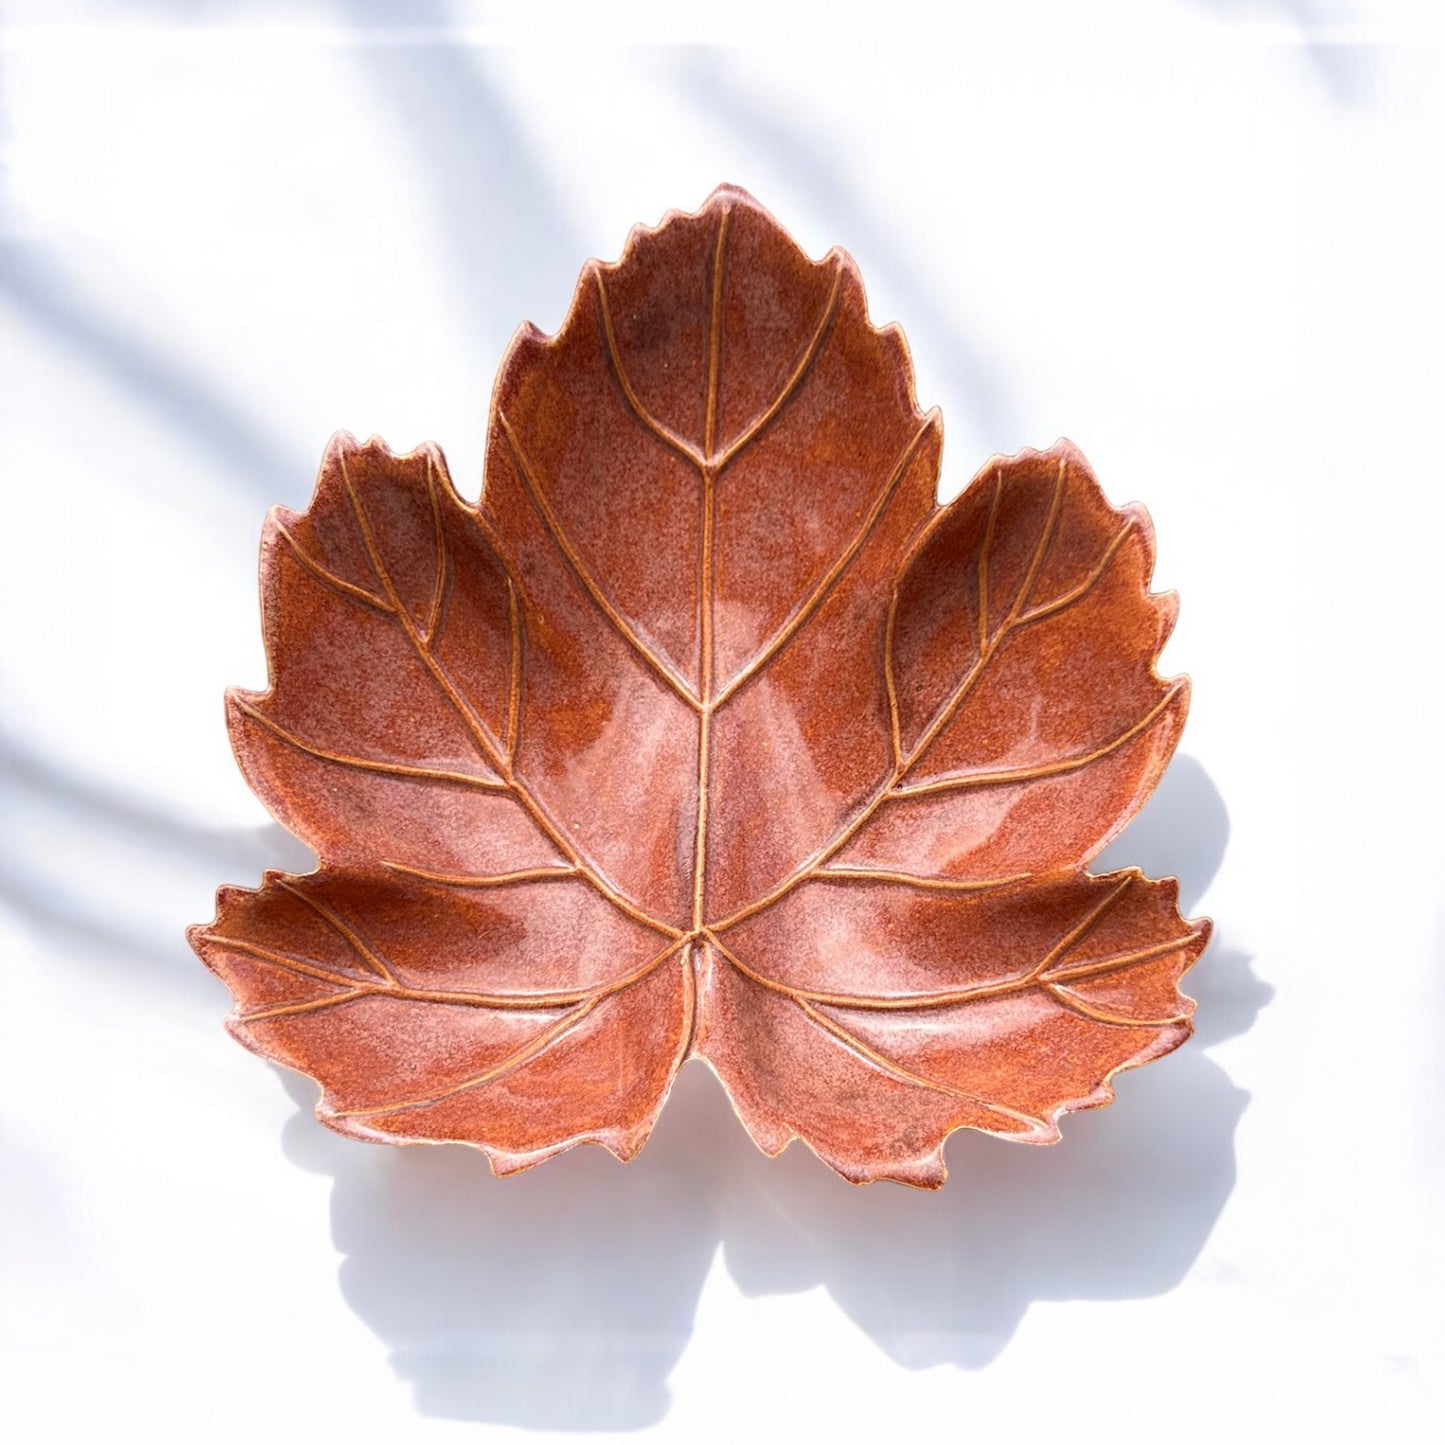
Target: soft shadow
x=1347, y=71
x=562, y=1298
x=512, y=246
x=813, y=170
x=1181, y=832
x=43, y=293
x=147, y=873
x=1119, y=1210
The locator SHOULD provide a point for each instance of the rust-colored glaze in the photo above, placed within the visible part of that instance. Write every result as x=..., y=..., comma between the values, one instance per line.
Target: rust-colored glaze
x=708, y=733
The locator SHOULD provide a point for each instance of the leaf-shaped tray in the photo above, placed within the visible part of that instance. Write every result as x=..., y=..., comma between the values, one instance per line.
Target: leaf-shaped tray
x=708, y=733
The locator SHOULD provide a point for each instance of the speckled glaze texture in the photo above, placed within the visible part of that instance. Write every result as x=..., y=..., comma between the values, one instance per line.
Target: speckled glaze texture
x=708, y=733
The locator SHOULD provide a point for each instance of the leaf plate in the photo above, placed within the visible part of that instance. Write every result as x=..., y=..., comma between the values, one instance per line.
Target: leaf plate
x=708, y=733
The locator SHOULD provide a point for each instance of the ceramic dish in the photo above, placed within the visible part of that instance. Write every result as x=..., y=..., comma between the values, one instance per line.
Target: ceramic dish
x=708, y=734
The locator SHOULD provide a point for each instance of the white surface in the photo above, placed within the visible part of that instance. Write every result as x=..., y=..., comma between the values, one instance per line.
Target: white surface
x=1204, y=240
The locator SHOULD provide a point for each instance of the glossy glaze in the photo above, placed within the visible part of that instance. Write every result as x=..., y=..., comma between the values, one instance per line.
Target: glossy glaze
x=708, y=733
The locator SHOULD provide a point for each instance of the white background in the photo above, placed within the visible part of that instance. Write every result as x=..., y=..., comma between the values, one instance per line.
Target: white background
x=1203, y=238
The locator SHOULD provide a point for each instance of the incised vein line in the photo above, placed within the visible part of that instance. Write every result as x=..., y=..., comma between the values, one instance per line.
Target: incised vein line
x=1041, y=547
x=528, y=1051
x=705, y=456
x=342, y=929
x=1043, y=975
x=806, y=1004
x=714, y=340
x=688, y=1031
x=890, y=788
x=851, y=1041
x=916, y=880
x=705, y=589
x=326, y=576
x=829, y=580
x=389, y=988
x=1001, y=777
x=759, y=424
x=507, y=1065
x=1076, y=594
x=665, y=435
x=514, y=669
x=486, y=743
x=895, y=726
x=669, y=675
x=983, y=556
x=482, y=880
x=515, y=630
x=434, y=612
x=307, y=1006
x=1072, y=1001
x=289, y=962
x=1119, y=962
x=367, y=765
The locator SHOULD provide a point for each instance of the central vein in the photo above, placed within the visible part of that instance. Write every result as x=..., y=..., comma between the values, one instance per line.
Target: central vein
x=706, y=579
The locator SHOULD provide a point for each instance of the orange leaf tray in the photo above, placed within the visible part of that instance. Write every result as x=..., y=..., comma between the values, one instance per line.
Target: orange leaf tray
x=708, y=733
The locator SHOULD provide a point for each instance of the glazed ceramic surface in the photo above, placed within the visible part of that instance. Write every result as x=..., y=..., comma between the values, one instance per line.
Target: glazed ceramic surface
x=708, y=733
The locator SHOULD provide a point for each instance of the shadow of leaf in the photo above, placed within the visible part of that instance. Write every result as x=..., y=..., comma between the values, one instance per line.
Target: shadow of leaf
x=558, y=1299
x=562, y=1298
x=1119, y=1209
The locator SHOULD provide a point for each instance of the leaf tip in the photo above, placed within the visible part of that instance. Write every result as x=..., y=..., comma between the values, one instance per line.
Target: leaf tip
x=379, y=444
x=1067, y=450
x=727, y=194
x=1166, y=610
x=1201, y=932
x=926, y=1172
x=340, y=443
